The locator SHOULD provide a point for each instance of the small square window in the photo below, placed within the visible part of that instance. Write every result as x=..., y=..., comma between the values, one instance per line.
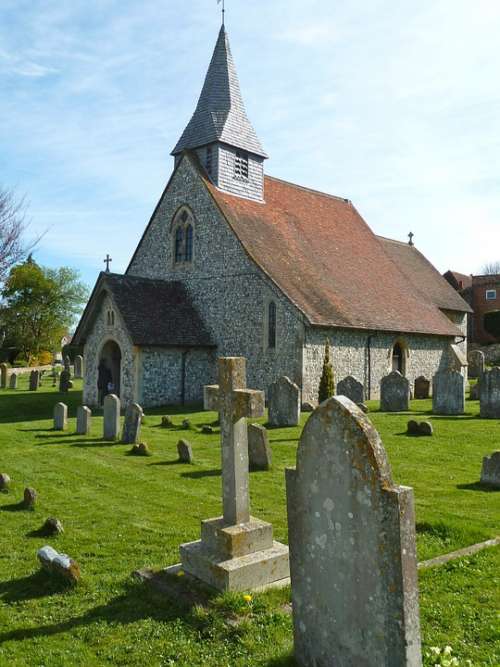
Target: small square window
x=491, y=294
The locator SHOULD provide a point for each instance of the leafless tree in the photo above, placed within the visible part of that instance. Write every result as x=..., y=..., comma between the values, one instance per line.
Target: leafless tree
x=491, y=269
x=13, y=225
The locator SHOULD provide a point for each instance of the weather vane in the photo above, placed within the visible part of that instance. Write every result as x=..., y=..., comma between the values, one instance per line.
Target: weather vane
x=223, y=8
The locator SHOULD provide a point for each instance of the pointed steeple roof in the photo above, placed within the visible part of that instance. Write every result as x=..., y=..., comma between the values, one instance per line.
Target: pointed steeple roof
x=220, y=114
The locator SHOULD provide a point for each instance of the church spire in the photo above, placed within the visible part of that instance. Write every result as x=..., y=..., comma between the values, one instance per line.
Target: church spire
x=220, y=125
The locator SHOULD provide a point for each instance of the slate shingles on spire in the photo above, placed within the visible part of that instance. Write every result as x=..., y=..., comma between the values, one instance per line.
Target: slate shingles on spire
x=220, y=114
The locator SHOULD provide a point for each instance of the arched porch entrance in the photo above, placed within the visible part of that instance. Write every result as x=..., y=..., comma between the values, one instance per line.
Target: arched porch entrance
x=109, y=370
x=399, y=358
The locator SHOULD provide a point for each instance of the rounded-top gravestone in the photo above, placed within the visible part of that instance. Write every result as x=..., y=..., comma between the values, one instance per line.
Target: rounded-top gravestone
x=351, y=388
x=490, y=473
x=476, y=361
x=132, y=424
x=4, y=370
x=422, y=388
x=111, y=421
x=394, y=393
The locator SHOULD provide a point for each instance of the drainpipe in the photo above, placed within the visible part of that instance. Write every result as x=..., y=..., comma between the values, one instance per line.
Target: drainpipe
x=369, y=355
x=183, y=376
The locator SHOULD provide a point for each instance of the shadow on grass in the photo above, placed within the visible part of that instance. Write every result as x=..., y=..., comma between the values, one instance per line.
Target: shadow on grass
x=273, y=440
x=478, y=486
x=284, y=661
x=34, y=586
x=15, y=507
x=175, y=462
x=200, y=474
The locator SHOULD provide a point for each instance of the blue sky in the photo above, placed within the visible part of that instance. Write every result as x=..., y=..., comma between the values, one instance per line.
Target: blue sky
x=393, y=105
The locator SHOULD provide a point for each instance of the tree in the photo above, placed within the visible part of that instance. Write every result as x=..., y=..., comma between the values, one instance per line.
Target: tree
x=40, y=305
x=326, y=384
x=12, y=228
x=491, y=269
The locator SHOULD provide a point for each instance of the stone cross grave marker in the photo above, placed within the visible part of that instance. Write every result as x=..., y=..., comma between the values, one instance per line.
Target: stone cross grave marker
x=284, y=403
x=34, y=380
x=236, y=551
x=60, y=417
x=394, y=393
x=111, y=423
x=489, y=394
x=83, y=420
x=13, y=381
x=259, y=452
x=422, y=388
x=476, y=360
x=448, y=393
x=132, y=424
x=79, y=366
x=353, y=561
x=351, y=388
x=4, y=369
x=490, y=471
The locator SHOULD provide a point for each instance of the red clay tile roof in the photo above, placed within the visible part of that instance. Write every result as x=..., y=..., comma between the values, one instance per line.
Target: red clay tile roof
x=325, y=258
x=458, y=281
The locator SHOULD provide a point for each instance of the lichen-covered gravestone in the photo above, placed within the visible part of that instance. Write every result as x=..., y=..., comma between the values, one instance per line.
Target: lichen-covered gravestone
x=351, y=388
x=490, y=472
x=13, y=381
x=60, y=417
x=476, y=361
x=4, y=370
x=83, y=420
x=489, y=394
x=111, y=421
x=448, y=393
x=284, y=403
x=65, y=383
x=353, y=560
x=79, y=366
x=259, y=452
x=132, y=424
x=394, y=393
x=34, y=380
x=422, y=388
x=185, y=451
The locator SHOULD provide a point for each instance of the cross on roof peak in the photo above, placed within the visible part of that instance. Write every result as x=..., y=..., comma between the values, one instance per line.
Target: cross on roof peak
x=411, y=236
x=107, y=261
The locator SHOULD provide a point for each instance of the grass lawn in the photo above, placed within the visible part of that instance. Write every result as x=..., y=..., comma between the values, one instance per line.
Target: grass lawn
x=121, y=513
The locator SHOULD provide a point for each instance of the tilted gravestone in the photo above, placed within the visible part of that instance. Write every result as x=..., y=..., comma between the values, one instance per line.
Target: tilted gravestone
x=132, y=424
x=490, y=472
x=259, y=452
x=4, y=370
x=422, y=389
x=13, y=381
x=448, y=393
x=34, y=380
x=353, y=562
x=476, y=361
x=65, y=383
x=185, y=451
x=83, y=420
x=236, y=551
x=111, y=413
x=284, y=403
x=394, y=393
x=351, y=388
x=60, y=417
x=489, y=394
x=79, y=366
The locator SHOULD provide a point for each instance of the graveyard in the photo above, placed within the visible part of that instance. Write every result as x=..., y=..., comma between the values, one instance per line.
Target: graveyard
x=123, y=513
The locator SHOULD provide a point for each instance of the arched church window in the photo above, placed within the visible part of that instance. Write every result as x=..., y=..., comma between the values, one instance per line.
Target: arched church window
x=188, y=256
x=179, y=244
x=271, y=325
x=398, y=358
x=110, y=318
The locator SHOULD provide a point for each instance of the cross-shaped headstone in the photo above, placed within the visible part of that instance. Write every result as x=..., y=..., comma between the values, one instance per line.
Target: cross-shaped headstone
x=107, y=262
x=410, y=236
x=234, y=402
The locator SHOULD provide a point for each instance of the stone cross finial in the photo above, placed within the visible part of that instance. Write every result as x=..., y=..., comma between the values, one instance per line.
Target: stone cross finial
x=107, y=262
x=411, y=236
x=234, y=402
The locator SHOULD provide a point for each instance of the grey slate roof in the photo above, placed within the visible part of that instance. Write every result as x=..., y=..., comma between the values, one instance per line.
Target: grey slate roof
x=220, y=114
x=155, y=312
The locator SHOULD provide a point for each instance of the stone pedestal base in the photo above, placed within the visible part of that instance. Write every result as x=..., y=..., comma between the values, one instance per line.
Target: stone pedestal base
x=236, y=558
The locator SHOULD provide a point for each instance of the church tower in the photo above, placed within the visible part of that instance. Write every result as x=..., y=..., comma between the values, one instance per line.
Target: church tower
x=220, y=132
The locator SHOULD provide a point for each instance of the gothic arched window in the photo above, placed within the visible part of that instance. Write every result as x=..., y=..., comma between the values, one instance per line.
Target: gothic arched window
x=183, y=233
x=179, y=243
x=399, y=358
x=271, y=325
x=188, y=255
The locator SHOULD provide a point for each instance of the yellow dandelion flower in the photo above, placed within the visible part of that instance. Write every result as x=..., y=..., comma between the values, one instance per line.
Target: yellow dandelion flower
x=248, y=598
x=180, y=573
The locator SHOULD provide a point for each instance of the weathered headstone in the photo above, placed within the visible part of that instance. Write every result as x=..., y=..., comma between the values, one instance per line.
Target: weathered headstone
x=132, y=424
x=4, y=371
x=29, y=498
x=78, y=366
x=111, y=413
x=166, y=422
x=490, y=472
x=259, y=452
x=52, y=526
x=422, y=388
x=353, y=560
x=65, y=383
x=4, y=482
x=83, y=420
x=420, y=428
x=59, y=564
x=141, y=449
x=60, y=417
x=476, y=361
x=489, y=394
x=34, y=380
x=236, y=551
x=351, y=388
x=475, y=391
x=13, y=381
x=185, y=451
x=284, y=403
x=448, y=393
x=394, y=393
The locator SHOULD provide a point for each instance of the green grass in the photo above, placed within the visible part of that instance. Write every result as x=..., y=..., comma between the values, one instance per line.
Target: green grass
x=121, y=513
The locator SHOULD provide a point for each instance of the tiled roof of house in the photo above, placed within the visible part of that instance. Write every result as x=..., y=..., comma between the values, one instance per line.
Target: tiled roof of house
x=155, y=312
x=324, y=257
x=457, y=280
x=220, y=114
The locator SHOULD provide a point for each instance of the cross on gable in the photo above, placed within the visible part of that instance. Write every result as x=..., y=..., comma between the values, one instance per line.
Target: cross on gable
x=234, y=402
x=107, y=262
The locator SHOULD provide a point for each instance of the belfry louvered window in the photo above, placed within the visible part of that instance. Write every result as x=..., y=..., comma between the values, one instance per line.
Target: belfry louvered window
x=209, y=160
x=241, y=165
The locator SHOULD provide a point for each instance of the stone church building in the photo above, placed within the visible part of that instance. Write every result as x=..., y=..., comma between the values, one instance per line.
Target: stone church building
x=235, y=262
